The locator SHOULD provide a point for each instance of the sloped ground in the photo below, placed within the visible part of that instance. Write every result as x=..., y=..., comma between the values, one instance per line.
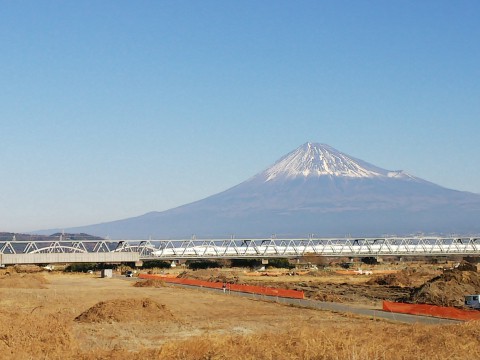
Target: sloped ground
x=126, y=310
x=448, y=289
x=214, y=275
x=400, y=279
x=405, y=278
x=150, y=283
x=23, y=281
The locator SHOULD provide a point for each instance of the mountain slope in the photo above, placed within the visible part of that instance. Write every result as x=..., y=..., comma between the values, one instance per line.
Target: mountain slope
x=314, y=189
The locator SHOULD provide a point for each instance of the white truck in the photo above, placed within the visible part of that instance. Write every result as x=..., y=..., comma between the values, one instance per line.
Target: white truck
x=472, y=301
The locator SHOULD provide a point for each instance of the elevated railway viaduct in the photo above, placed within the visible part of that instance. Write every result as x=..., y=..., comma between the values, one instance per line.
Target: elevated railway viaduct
x=65, y=250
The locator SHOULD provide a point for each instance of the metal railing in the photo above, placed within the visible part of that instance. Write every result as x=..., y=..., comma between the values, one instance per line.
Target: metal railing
x=255, y=248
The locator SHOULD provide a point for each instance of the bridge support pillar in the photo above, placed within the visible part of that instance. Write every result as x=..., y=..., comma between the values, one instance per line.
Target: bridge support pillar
x=139, y=263
x=264, y=261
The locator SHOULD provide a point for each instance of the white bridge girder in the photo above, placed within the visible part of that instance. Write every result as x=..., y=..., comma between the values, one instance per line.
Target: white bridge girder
x=252, y=248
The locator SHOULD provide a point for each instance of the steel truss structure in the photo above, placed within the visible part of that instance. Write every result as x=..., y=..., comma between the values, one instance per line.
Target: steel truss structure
x=255, y=248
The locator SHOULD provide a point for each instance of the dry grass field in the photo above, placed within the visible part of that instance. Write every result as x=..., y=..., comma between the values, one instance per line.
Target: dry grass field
x=80, y=316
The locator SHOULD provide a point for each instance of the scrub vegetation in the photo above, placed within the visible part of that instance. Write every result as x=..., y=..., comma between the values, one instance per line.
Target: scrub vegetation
x=54, y=315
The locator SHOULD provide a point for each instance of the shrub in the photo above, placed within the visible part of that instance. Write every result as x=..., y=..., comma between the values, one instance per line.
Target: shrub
x=250, y=263
x=150, y=264
x=203, y=264
x=280, y=263
x=84, y=267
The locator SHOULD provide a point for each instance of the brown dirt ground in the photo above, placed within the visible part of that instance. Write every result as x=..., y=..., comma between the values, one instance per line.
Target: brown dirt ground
x=404, y=278
x=448, y=289
x=150, y=283
x=125, y=310
x=25, y=281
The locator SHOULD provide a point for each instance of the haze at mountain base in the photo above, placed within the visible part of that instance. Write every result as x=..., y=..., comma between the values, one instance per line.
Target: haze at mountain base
x=315, y=189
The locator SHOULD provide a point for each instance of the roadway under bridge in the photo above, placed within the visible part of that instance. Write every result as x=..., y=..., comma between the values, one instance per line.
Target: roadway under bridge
x=115, y=251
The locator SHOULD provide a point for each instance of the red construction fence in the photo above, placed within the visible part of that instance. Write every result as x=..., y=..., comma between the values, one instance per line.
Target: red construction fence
x=432, y=310
x=260, y=290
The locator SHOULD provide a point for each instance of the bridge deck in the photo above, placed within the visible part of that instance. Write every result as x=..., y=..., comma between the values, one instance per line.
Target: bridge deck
x=65, y=250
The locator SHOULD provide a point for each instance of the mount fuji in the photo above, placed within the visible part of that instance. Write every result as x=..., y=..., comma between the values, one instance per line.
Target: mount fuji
x=313, y=189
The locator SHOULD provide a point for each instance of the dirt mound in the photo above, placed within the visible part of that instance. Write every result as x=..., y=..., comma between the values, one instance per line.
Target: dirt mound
x=401, y=278
x=466, y=266
x=150, y=283
x=214, y=275
x=448, y=289
x=23, y=281
x=129, y=310
x=404, y=278
x=30, y=269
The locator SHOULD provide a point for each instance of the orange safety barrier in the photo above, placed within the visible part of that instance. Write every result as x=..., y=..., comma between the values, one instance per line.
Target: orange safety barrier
x=432, y=310
x=294, y=294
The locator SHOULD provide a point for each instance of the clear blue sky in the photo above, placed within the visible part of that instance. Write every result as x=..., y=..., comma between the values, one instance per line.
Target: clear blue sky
x=111, y=109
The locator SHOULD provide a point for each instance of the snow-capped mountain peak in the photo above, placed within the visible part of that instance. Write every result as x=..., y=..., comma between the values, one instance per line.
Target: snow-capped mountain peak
x=315, y=160
x=313, y=189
